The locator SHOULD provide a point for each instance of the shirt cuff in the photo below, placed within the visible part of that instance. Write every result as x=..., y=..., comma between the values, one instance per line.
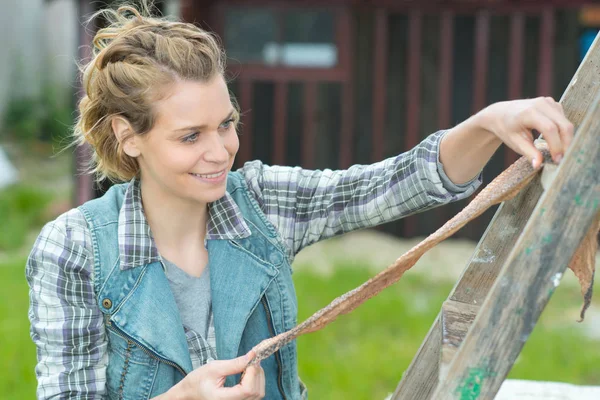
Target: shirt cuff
x=447, y=182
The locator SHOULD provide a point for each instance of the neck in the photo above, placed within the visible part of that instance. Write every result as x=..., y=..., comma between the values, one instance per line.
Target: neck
x=175, y=223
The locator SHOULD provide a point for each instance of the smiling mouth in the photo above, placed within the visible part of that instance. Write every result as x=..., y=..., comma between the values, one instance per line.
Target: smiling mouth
x=209, y=176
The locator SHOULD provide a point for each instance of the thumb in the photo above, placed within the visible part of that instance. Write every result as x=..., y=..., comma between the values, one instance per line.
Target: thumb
x=222, y=368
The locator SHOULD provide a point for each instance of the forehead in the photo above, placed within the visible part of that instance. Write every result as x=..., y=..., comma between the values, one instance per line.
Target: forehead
x=194, y=103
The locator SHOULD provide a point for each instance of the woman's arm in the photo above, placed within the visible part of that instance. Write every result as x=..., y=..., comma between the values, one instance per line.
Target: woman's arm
x=466, y=148
x=66, y=324
x=307, y=206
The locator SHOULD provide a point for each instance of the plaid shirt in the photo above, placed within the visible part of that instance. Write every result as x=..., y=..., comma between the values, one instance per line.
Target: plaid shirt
x=305, y=207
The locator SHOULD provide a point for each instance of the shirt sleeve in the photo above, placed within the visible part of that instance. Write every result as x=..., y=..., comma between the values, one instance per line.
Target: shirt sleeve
x=311, y=205
x=66, y=324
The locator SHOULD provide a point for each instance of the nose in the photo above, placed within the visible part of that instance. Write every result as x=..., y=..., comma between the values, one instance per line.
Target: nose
x=215, y=151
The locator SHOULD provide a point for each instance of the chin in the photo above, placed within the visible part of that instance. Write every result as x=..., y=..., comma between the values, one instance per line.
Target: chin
x=210, y=195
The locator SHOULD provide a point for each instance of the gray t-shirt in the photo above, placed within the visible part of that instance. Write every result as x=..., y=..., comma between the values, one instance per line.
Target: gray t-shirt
x=193, y=298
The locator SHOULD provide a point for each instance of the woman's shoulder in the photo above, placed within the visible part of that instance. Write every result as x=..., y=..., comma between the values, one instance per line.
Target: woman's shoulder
x=66, y=230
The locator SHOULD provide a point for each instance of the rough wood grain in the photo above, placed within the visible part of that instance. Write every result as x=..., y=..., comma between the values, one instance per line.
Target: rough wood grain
x=532, y=271
x=472, y=287
x=425, y=372
x=500, y=237
x=456, y=318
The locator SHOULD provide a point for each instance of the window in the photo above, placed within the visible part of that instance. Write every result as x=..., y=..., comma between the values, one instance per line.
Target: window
x=288, y=38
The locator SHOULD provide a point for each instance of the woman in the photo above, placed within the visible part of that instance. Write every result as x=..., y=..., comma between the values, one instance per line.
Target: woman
x=160, y=288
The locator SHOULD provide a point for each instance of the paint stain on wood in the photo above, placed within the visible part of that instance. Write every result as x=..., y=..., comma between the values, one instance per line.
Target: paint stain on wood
x=485, y=256
x=470, y=388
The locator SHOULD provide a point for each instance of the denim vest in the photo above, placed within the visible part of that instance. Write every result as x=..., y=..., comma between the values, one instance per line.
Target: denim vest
x=253, y=298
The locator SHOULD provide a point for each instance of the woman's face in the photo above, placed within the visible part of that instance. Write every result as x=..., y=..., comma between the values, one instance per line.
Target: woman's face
x=193, y=143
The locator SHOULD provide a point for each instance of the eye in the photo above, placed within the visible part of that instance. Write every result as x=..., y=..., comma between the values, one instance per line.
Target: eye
x=190, y=138
x=227, y=124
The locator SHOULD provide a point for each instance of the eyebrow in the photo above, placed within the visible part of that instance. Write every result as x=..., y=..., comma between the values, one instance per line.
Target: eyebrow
x=201, y=127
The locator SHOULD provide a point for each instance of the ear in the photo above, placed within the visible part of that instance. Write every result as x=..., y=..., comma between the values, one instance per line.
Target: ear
x=124, y=134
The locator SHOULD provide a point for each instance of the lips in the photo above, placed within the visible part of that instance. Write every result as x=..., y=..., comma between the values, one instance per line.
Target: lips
x=212, y=178
x=213, y=175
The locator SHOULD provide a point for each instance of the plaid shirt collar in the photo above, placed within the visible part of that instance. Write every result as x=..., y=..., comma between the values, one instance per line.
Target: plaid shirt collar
x=136, y=243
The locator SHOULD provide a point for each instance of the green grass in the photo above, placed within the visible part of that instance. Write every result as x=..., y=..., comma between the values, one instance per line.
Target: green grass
x=22, y=209
x=17, y=377
x=363, y=355
x=22, y=212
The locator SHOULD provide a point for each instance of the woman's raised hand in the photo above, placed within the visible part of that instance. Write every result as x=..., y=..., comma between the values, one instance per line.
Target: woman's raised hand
x=514, y=121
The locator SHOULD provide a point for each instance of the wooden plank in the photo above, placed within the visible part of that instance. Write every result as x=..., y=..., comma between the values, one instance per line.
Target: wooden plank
x=445, y=75
x=547, y=31
x=444, y=105
x=380, y=62
x=413, y=94
x=533, y=270
x=515, y=68
x=472, y=287
x=499, y=238
x=346, y=133
x=456, y=318
x=345, y=34
x=495, y=245
x=310, y=125
x=482, y=50
x=279, y=123
x=420, y=379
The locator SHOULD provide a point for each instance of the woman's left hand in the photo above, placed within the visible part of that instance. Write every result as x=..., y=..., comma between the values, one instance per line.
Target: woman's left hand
x=514, y=121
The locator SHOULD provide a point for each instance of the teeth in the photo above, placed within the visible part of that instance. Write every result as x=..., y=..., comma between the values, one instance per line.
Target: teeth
x=210, y=176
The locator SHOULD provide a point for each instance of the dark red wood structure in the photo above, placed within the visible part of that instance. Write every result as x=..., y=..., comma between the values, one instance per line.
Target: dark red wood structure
x=394, y=71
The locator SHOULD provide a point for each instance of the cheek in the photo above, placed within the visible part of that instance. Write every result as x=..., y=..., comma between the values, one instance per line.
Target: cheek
x=175, y=159
x=232, y=144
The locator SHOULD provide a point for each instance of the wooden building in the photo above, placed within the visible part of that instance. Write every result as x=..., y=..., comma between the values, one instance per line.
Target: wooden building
x=331, y=83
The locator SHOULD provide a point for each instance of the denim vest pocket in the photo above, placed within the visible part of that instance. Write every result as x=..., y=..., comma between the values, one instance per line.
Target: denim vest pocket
x=130, y=372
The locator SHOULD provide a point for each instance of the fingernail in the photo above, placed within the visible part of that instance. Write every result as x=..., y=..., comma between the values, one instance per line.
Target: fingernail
x=559, y=158
x=533, y=163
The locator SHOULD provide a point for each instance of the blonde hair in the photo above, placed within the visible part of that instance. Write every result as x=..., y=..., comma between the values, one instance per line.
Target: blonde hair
x=133, y=59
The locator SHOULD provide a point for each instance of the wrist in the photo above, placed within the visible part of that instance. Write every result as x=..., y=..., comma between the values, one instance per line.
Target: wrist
x=178, y=392
x=487, y=121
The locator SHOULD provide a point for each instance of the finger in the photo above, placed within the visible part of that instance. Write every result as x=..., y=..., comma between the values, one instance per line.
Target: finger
x=254, y=381
x=556, y=105
x=246, y=389
x=261, y=384
x=236, y=392
x=566, y=130
x=222, y=368
x=250, y=377
x=536, y=119
x=523, y=145
x=257, y=385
